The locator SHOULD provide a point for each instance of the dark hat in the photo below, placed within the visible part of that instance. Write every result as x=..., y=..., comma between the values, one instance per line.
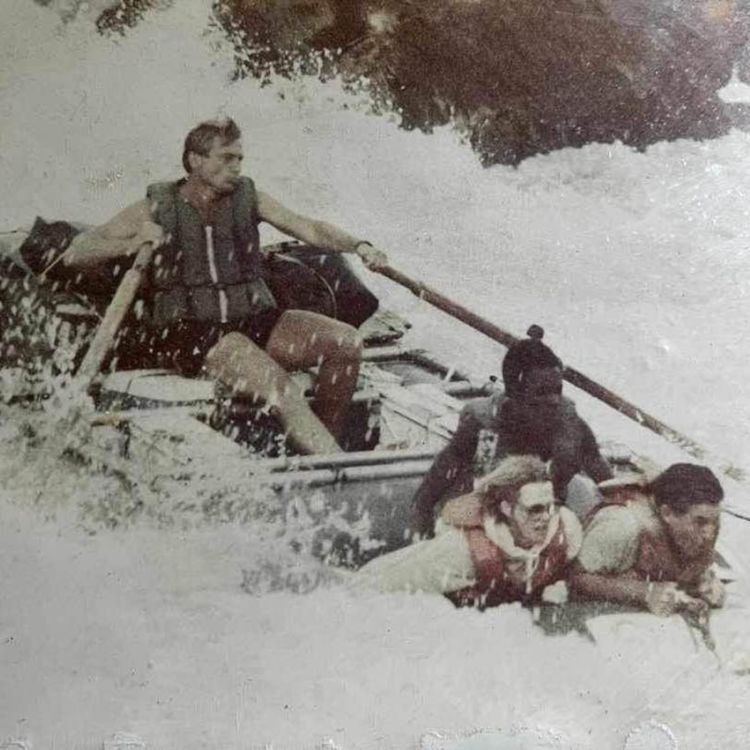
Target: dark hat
x=524, y=355
x=683, y=485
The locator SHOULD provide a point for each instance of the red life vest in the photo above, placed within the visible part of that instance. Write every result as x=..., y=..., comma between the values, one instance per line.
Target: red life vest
x=657, y=558
x=658, y=561
x=494, y=583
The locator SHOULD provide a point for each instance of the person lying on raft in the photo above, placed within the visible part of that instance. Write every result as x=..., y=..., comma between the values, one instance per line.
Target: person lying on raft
x=507, y=541
x=209, y=303
x=530, y=417
x=652, y=546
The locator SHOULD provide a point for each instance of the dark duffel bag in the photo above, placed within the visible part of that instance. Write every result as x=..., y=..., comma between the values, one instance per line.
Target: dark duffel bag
x=304, y=278
x=42, y=251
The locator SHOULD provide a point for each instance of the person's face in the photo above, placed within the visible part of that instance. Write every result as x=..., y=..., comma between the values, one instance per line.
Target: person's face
x=694, y=533
x=529, y=517
x=542, y=385
x=221, y=167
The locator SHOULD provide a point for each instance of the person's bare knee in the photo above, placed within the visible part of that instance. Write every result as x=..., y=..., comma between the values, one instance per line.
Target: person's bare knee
x=225, y=352
x=307, y=339
x=304, y=339
x=244, y=367
x=333, y=339
x=341, y=343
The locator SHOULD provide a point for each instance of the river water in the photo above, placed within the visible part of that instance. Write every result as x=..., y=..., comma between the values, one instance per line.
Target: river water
x=636, y=264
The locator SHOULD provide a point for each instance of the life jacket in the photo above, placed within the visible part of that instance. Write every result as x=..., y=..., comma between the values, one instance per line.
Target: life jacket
x=657, y=560
x=495, y=583
x=211, y=273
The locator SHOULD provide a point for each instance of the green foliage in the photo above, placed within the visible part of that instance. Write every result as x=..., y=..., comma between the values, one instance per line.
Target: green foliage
x=125, y=15
x=517, y=77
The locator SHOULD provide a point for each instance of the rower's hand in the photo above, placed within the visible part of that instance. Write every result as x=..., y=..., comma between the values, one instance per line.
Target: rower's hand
x=149, y=232
x=665, y=599
x=371, y=256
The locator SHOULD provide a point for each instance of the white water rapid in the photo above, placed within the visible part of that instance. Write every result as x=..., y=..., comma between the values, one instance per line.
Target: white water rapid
x=637, y=266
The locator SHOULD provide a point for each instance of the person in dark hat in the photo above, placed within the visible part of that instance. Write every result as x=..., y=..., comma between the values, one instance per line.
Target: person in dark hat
x=652, y=545
x=530, y=417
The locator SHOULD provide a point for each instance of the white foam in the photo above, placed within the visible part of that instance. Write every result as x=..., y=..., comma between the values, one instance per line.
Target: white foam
x=635, y=263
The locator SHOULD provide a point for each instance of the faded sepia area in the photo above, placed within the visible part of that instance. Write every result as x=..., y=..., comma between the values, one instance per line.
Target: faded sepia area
x=173, y=573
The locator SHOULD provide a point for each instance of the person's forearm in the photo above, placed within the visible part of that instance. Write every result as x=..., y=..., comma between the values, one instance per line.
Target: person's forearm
x=91, y=249
x=313, y=232
x=617, y=589
x=331, y=237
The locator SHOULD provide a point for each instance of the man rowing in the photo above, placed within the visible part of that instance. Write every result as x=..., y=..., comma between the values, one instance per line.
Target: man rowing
x=210, y=306
x=530, y=417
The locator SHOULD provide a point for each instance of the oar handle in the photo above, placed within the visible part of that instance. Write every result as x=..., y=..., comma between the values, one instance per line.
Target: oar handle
x=116, y=312
x=570, y=374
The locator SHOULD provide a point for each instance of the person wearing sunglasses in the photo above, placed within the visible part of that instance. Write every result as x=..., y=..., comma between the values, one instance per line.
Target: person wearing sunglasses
x=506, y=541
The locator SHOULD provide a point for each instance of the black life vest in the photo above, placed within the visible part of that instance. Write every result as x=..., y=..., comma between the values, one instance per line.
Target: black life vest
x=212, y=273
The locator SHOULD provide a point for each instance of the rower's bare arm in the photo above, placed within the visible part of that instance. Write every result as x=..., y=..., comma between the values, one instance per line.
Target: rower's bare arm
x=317, y=233
x=122, y=235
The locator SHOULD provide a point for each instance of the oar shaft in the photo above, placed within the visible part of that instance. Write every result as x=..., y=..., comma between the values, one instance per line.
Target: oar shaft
x=447, y=305
x=572, y=375
x=116, y=312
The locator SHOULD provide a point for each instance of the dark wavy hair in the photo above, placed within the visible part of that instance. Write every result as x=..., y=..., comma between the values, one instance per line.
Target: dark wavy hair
x=200, y=139
x=682, y=486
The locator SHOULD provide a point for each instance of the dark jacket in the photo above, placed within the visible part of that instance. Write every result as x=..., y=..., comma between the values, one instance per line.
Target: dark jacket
x=489, y=429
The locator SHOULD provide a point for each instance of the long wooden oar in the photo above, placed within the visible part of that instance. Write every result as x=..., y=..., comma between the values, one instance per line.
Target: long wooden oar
x=116, y=312
x=570, y=374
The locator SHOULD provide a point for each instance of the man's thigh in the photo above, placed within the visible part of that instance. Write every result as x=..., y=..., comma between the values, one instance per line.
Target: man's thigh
x=301, y=338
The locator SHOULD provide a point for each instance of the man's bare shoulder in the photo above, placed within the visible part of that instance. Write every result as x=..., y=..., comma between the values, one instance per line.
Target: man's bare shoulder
x=115, y=238
x=128, y=221
x=124, y=225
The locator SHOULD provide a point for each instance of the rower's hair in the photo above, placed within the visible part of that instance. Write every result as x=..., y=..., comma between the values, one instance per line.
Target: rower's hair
x=200, y=139
x=505, y=482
